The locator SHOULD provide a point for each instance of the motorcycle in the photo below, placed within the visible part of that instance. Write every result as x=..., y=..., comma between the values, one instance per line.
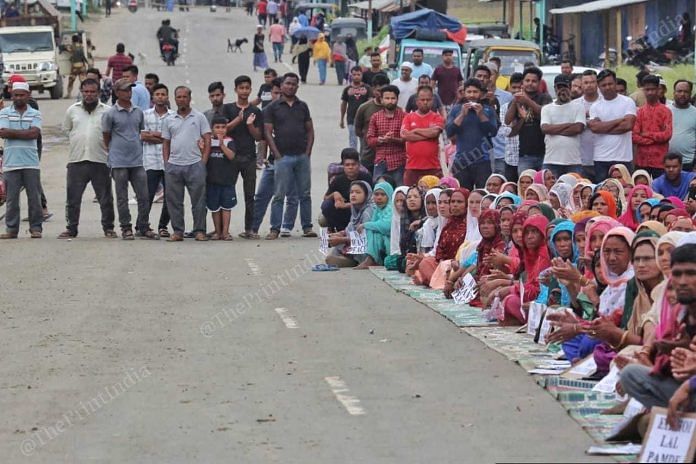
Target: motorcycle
x=169, y=54
x=132, y=6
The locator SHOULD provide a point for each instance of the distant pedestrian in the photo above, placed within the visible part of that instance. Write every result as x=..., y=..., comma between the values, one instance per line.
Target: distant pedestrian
x=116, y=64
x=260, y=60
x=121, y=126
x=272, y=11
x=87, y=160
x=277, y=35
x=353, y=96
x=184, y=164
x=20, y=126
x=262, y=12
x=322, y=57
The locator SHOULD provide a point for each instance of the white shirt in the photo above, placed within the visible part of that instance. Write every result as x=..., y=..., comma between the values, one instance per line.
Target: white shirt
x=406, y=89
x=152, y=152
x=424, y=69
x=587, y=137
x=562, y=149
x=616, y=148
x=85, y=133
x=683, y=132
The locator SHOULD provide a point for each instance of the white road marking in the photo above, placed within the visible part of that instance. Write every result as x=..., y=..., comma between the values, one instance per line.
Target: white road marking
x=289, y=321
x=340, y=391
x=255, y=268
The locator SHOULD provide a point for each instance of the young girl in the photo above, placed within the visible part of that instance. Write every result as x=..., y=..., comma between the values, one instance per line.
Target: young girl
x=433, y=222
x=378, y=227
x=360, y=212
x=398, y=208
x=637, y=195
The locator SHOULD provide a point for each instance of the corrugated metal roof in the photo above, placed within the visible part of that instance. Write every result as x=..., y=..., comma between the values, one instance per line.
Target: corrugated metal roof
x=597, y=5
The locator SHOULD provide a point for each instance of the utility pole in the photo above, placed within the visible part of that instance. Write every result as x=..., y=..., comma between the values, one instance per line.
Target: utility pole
x=369, y=19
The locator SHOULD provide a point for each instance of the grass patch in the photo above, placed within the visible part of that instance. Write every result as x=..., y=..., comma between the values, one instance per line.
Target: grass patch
x=671, y=74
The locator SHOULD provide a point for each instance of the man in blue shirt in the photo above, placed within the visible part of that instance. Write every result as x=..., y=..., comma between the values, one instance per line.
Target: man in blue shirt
x=20, y=126
x=473, y=124
x=141, y=96
x=674, y=182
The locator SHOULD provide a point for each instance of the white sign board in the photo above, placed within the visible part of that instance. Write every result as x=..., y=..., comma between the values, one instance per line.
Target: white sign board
x=662, y=444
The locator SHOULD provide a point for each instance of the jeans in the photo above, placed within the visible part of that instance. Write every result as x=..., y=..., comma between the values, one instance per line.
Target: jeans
x=650, y=390
x=191, y=177
x=78, y=176
x=277, y=51
x=154, y=177
x=529, y=162
x=247, y=168
x=511, y=173
x=321, y=64
x=292, y=171
x=264, y=194
x=474, y=175
x=381, y=169
x=352, y=138
x=560, y=169
x=588, y=172
x=340, y=67
x=498, y=166
x=138, y=179
x=30, y=179
x=601, y=169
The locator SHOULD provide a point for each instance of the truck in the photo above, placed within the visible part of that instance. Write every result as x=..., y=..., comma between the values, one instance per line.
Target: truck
x=513, y=55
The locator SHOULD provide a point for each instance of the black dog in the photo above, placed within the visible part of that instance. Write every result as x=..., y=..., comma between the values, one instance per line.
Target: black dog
x=237, y=45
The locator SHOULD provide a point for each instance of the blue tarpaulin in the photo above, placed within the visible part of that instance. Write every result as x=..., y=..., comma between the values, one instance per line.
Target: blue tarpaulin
x=403, y=25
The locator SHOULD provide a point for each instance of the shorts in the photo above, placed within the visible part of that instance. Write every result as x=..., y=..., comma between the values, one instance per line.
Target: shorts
x=219, y=197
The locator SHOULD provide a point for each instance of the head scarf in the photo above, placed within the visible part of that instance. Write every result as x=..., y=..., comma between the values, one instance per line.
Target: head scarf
x=638, y=301
x=564, y=226
x=499, y=176
x=580, y=226
x=526, y=173
x=650, y=201
x=598, y=224
x=449, y=182
x=407, y=239
x=630, y=217
x=621, y=200
x=539, y=177
x=540, y=190
x=612, y=299
x=677, y=202
x=563, y=191
x=515, y=199
x=688, y=238
x=546, y=211
x=578, y=188
x=625, y=175
x=583, y=215
x=472, y=232
x=430, y=181
x=360, y=213
x=395, y=237
x=487, y=245
x=453, y=233
x=568, y=179
x=432, y=224
x=608, y=199
x=537, y=260
x=670, y=238
x=655, y=226
x=641, y=172
x=506, y=184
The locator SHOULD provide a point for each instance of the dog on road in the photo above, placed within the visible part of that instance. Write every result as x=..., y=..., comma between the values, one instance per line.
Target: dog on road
x=233, y=47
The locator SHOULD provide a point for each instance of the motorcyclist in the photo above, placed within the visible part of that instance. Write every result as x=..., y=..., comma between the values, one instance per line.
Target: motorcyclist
x=167, y=34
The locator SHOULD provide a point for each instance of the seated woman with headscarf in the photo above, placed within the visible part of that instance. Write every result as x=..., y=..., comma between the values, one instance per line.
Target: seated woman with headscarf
x=546, y=178
x=360, y=212
x=636, y=196
x=411, y=222
x=378, y=228
x=398, y=203
x=507, y=264
x=559, y=197
x=525, y=179
x=604, y=203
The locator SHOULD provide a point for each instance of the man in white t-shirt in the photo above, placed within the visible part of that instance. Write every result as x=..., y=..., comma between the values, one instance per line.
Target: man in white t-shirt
x=406, y=84
x=590, y=95
x=612, y=121
x=562, y=122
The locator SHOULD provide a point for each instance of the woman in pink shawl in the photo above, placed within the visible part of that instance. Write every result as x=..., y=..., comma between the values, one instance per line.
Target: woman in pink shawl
x=637, y=195
x=545, y=177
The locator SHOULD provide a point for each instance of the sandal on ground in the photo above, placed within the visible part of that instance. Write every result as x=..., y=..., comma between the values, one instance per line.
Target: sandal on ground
x=35, y=234
x=149, y=234
x=8, y=235
x=67, y=234
x=272, y=235
x=201, y=237
x=227, y=238
x=127, y=235
x=213, y=236
x=110, y=233
x=175, y=238
x=164, y=233
x=324, y=267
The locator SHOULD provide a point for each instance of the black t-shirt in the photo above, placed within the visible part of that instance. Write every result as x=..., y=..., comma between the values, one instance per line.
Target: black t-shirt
x=220, y=170
x=368, y=75
x=258, y=43
x=244, y=141
x=354, y=97
x=341, y=184
x=265, y=94
x=289, y=131
x=531, y=137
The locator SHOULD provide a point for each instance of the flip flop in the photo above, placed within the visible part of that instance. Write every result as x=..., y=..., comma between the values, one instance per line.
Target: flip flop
x=324, y=267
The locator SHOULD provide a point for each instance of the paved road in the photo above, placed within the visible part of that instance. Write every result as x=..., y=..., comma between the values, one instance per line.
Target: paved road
x=141, y=352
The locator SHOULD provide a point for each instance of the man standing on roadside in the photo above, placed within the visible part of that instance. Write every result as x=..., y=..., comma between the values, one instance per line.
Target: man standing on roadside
x=419, y=67
x=447, y=77
x=652, y=130
x=512, y=142
x=611, y=120
x=683, y=124
x=406, y=84
x=289, y=132
x=184, y=164
x=362, y=121
x=567, y=68
x=562, y=122
x=141, y=96
x=20, y=126
x=153, y=162
x=121, y=126
x=437, y=106
x=353, y=96
x=421, y=130
x=375, y=68
x=674, y=182
x=245, y=126
x=384, y=136
x=87, y=160
x=524, y=116
x=590, y=95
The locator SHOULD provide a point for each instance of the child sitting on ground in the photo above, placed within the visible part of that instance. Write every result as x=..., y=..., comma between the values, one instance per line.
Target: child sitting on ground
x=220, y=193
x=378, y=228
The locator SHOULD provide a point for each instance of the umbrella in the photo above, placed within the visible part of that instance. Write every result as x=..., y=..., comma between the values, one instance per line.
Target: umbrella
x=309, y=32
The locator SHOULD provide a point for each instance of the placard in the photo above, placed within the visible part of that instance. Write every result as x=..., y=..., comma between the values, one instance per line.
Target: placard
x=581, y=370
x=467, y=292
x=608, y=383
x=662, y=444
x=358, y=243
x=324, y=240
x=536, y=312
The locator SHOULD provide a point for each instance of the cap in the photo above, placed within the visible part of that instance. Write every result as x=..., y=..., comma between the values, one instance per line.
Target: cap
x=492, y=66
x=16, y=78
x=123, y=84
x=20, y=86
x=407, y=64
x=259, y=26
x=561, y=81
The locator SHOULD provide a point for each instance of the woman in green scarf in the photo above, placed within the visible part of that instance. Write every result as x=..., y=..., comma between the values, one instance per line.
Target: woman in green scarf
x=378, y=229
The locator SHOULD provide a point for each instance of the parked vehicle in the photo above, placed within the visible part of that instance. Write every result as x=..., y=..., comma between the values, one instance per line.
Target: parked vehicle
x=343, y=27
x=513, y=55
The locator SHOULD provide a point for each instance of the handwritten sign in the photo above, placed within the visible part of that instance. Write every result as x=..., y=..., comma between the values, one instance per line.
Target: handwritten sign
x=358, y=243
x=662, y=444
x=467, y=292
x=324, y=244
x=545, y=327
x=608, y=382
x=536, y=312
x=581, y=370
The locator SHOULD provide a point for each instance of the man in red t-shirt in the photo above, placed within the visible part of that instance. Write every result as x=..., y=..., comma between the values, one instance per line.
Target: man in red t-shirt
x=421, y=130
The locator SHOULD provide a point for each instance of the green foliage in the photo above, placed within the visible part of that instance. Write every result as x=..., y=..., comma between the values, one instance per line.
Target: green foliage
x=670, y=73
x=362, y=44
